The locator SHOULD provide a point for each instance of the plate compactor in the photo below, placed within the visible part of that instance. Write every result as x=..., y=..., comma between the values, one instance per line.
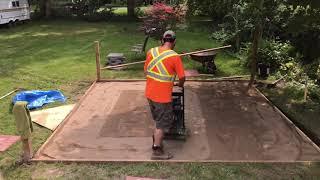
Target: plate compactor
x=178, y=130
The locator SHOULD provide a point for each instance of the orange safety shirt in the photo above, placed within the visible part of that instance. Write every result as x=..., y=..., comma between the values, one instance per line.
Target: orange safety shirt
x=159, y=91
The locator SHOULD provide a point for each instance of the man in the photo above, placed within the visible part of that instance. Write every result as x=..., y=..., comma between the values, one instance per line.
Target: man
x=161, y=67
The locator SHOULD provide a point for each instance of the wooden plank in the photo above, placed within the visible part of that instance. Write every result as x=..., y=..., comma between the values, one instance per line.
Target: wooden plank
x=161, y=161
x=289, y=122
x=184, y=54
x=98, y=60
x=8, y=94
x=205, y=50
x=122, y=65
x=191, y=73
x=226, y=77
x=6, y=141
x=140, y=178
x=187, y=80
x=278, y=80
x=51, y=118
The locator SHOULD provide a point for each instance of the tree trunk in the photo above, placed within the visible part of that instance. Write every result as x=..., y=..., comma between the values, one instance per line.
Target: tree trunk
x=255, y=45
x=42, y=7
x=237, y=31
x=48, y=8
x=131, y=6
x=45, y=8
x=238, y=42
x=256, y=39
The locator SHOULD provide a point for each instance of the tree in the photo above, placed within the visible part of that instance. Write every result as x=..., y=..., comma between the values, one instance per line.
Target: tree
x=216, y=9
x=43, y=7
x=131, y=6
x=48, y=9
x=303, y=28
x=257, y=11
x=161, y=17
x=235, y=23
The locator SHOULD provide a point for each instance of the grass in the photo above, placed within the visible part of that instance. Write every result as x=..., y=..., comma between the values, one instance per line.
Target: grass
x=60, y=55
x=170, y=171
x=123, y=11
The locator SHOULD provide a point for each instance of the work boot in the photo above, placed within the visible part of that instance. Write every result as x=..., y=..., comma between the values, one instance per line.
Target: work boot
x=159, y=154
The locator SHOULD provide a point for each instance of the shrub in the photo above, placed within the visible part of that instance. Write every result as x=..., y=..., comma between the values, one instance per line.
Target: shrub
x=102, y=14
x=279, y=55
x=313, y=70
x=293, y=70
x=214, y=9
x=275, y=53
x=314, y=93
x=221, y=35
x=92, y=10
x=163, y=17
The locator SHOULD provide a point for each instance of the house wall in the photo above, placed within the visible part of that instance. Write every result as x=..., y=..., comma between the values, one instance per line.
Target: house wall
x=19, y=10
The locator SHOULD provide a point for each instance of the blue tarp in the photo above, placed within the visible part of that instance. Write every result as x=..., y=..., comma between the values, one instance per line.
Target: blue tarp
x=37, y=98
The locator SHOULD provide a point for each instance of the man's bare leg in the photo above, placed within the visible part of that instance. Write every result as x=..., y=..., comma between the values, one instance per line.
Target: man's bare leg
x=158, y=152
x=158, y=137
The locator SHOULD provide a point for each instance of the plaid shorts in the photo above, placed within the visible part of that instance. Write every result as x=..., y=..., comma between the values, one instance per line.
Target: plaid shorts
x=162, y=114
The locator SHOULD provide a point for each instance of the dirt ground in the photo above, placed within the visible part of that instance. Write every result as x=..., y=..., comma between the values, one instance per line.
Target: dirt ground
x=113, y=122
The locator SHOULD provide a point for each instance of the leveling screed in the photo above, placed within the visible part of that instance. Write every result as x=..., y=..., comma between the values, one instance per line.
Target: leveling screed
x=178, y=130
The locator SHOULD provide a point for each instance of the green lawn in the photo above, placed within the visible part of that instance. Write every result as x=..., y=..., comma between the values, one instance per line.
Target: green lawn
x=123, y=11
x=60, y=55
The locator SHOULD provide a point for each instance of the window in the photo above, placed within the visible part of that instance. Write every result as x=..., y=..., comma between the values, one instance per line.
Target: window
x=15, y=4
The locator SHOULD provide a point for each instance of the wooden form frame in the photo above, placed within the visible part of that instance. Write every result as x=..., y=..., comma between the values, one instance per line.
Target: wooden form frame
x=98, y=80
x=97, y=161
x=59, y=128
x=288, y=121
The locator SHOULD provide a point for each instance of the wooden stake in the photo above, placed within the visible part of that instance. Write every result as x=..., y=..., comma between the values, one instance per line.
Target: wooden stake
x=8, y=94
x=276, y=82
x=122, y=65
x=229, y=77
x=98, y=60
x=205, y=50
x=27, y=150
x=185, y=54
x=306, y=89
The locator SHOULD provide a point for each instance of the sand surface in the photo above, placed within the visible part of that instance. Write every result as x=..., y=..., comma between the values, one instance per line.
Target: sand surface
x=113, y=122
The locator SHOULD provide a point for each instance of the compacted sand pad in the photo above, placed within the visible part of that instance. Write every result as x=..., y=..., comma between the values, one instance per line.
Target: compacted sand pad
x=113, y=123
